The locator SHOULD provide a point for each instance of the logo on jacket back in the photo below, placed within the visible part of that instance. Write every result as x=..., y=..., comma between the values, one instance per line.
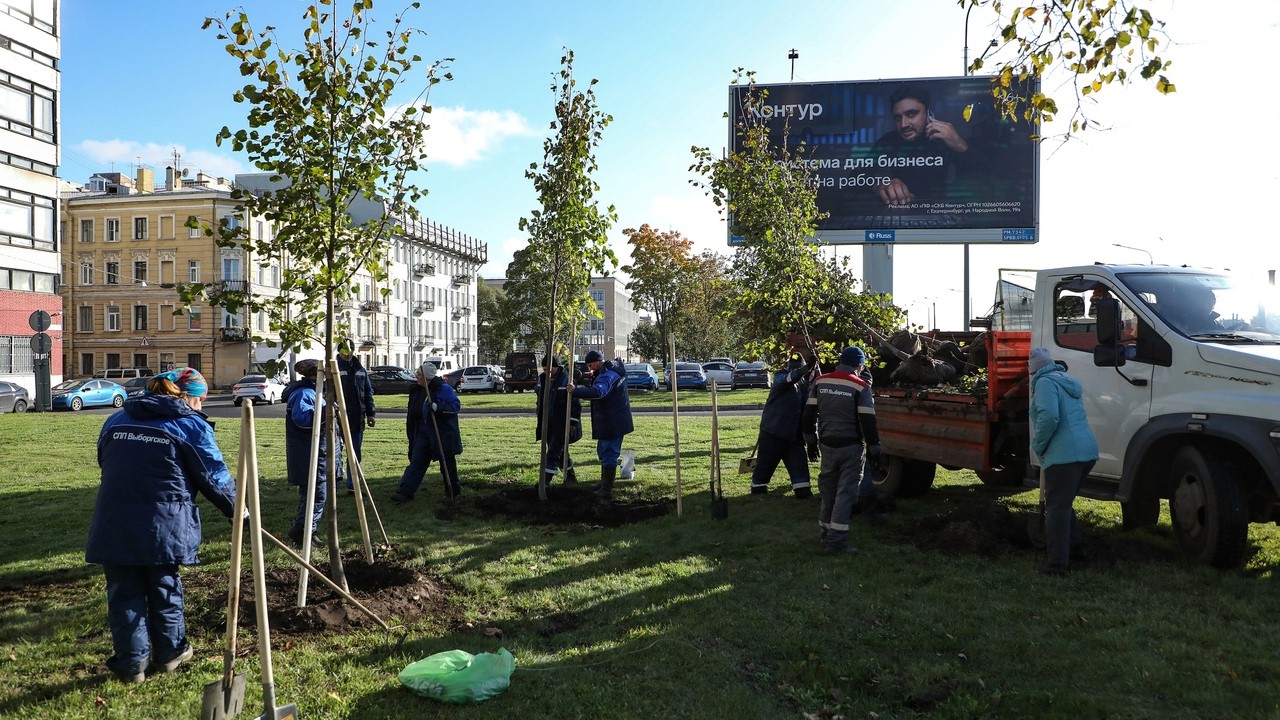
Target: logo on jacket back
x=136, y=437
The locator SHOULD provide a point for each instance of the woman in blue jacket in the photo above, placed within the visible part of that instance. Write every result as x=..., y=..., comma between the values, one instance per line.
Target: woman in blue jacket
x=432, y=426
x=1061, y=437
x=156, y=453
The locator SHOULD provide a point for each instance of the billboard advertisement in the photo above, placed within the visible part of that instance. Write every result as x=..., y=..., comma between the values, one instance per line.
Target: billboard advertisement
x=896, y=161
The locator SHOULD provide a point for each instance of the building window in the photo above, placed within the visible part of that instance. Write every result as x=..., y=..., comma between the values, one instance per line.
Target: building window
x=38, y=14
x=84, y=318
x=139, y=317
x=275, y=276
x=166, y=317
x=166, y=271
x=262, y=320
x=193, y=227
x=230, y=319
x=26, y=108
x=193, y=319
x=111, y=230
x=86, y=231
x=193, y=271
x=27, y=220
x=113, y=272
x=166, y=361
x=140, y=360
x=139, y=271
x=193, y=361
x=230, y=268
x=166, y=227
x=139, y=228
x=86, y=273
x=86, y=364
x=113, y=360
x=27, y=281
x=113, y=318
x=15, y=354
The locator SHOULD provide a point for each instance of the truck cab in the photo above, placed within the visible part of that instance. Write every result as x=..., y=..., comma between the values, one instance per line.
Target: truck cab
x=1181, y=371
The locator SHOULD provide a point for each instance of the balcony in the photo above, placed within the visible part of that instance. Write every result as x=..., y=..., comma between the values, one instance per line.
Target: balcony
x=371, y=306
x=461, y=343
x=460, y=312
x=367, y=342
x=233, y=286
x=234, y=335
x=341, y=305
x=461, y=279
x=421, y=342
x=424, y=269
x=422, y=306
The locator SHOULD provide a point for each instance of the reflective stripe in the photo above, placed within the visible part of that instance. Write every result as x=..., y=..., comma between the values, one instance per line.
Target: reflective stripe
x=798, y=485
x=838, y=527
x=864, y=410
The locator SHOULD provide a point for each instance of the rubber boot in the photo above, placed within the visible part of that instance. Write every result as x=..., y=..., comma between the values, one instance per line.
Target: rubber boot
x=570, y=477
x=607, y=476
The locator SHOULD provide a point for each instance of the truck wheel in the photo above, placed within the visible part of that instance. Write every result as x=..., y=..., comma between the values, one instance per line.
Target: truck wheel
x=1207, y=509
x=901, y=477
x=1012, y=476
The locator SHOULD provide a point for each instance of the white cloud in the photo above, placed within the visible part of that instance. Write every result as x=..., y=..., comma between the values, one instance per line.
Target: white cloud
x=458, y=136
x=122, y=154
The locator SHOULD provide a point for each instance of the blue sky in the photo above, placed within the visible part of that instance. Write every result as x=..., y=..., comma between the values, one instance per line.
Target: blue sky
x=1182, y=177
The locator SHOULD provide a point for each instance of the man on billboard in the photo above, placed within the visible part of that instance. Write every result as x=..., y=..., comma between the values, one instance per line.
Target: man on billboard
x=923, y=152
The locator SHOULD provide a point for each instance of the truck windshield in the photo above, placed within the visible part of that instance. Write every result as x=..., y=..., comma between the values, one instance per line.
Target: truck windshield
x=1211, y=308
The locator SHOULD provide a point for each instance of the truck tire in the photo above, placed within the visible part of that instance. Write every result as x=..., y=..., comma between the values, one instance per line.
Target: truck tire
x=901, y=477
x=1207, y=509
x=1012, y=476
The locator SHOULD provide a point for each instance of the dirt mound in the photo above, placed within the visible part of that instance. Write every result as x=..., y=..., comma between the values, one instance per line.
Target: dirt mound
x=567, y=504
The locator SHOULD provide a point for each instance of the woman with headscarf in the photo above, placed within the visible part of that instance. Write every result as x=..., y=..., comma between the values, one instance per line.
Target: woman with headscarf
x=156, y=453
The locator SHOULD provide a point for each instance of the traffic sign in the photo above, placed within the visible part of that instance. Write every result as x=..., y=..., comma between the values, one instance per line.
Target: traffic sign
x=41, y=343
x=39, y=321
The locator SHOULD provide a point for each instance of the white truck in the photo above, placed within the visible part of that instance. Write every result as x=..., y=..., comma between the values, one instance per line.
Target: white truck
x=1181, y=372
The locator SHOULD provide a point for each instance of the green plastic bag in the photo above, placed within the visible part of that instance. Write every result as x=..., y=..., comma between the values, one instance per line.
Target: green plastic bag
x=457, y=676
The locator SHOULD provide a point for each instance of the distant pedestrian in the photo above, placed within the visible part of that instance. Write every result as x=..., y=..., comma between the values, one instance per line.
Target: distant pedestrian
x=780, y=438
x=610, y=415
x=357, y=394
x=304, y=406
x=560, y=400
x=1061, y=438
x=432, y=427
x=156, y=454
x=841, y=409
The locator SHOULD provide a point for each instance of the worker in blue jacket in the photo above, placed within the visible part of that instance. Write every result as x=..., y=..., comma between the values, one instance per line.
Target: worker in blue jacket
x=432, y=426
x=156, y=454
x=304, y=406
x=610, y=414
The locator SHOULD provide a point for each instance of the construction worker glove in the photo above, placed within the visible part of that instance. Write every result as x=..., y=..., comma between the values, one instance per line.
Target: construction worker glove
x=368, y=420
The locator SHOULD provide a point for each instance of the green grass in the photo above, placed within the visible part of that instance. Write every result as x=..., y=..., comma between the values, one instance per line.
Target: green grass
x=688, y=399
x=681, y=617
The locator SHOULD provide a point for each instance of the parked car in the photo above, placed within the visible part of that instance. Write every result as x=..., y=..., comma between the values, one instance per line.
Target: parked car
x=13, y=398
x=76, y=394
x=720, y=371
x=750, y=374
x=478, y=378
x=689, y=376
x=520, y=371
x=136, y=386
x=255, y=388
x=641, y=376
x=122, y=374
x=387, y=368
x=391, y=380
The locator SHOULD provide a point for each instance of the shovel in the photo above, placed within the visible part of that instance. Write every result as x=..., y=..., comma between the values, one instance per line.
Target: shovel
x=224, y=698
x=747, y=465
x=719, y=505
x=1035, y=523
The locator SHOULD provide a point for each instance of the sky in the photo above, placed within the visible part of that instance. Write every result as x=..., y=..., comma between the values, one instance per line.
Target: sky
x=1180, y=179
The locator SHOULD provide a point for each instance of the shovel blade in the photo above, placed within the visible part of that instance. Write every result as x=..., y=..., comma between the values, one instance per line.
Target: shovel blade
x=222, y=702
x=284, y=712
x=747, y=465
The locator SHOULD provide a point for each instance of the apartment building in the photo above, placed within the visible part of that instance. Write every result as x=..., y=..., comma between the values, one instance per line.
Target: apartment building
x=611, y=333
x=29, y=157
x=126, y=238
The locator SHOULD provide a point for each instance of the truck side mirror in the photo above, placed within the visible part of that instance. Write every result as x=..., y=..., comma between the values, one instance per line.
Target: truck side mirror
x=1108, y=352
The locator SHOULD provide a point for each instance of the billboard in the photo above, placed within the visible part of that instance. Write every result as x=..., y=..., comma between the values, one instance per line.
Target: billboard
x=895, y=161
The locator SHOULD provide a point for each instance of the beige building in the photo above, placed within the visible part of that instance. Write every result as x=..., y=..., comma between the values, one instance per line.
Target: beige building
x=125, y=239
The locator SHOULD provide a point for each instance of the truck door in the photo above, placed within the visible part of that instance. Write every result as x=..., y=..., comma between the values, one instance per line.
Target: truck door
x=1117, y=400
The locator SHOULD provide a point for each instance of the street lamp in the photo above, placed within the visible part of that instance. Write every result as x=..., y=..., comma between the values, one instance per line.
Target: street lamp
x=1150, y=259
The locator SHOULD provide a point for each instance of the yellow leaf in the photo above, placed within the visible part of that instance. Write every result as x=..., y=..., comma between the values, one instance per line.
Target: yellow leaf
x=967, y=113
x=1029, y=12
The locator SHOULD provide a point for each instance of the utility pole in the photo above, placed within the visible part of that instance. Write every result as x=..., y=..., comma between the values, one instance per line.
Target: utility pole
x=792, y=57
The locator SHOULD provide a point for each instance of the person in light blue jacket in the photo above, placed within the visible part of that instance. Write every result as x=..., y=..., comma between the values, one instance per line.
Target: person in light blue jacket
x=1061, y=438
x=156, y=453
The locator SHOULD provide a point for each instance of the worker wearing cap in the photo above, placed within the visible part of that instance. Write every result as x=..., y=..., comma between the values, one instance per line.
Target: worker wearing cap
x=780, y=439
x=841, y=410
x=304, y=406
x=432, y=426
x=610, y=415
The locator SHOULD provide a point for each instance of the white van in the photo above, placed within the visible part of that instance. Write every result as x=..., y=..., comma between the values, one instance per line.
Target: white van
x=449, y=367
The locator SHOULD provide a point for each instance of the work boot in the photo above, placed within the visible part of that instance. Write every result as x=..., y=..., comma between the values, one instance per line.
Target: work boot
x=607, y=476
x=547, y=477
x=570, y=477
x=174, y=662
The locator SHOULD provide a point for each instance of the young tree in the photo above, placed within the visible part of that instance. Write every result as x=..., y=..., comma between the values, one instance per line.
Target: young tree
x=659, y=263
x=495, y=334
x=783, y=288
x=548, y=278
x=323, y=126
x=1098, y=42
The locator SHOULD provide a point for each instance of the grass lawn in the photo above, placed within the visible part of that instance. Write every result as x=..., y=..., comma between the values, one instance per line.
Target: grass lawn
x=680, y=617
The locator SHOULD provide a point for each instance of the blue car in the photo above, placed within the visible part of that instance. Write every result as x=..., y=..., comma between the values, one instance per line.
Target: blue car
x=689, y=376
x=641, y=376
x=76, y=394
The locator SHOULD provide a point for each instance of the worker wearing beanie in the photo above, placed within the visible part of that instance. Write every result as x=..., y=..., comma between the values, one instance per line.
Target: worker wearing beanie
x=840, y=417
x=610, y=415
